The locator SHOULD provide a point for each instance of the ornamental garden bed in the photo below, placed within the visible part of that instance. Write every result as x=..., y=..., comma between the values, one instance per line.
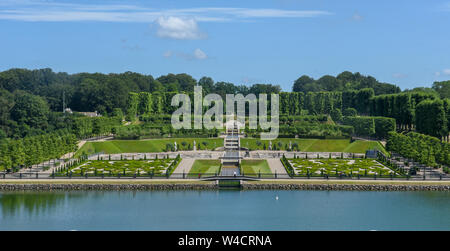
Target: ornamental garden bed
x=340, y=167
x=123, y=168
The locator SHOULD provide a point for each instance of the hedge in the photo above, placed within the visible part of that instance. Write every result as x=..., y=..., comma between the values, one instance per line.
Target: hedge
x=363, y=126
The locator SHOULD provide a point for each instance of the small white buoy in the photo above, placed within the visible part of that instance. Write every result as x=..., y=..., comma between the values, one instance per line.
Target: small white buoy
x=276, y=197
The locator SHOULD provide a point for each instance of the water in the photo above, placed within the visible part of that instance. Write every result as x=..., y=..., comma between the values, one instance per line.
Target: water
x=224, y=210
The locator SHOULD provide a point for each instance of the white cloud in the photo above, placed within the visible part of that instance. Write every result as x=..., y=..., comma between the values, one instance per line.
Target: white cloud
x=178, y=28
x=443, y=72
x=50, y=11
x=198, y=54
x=276, y=13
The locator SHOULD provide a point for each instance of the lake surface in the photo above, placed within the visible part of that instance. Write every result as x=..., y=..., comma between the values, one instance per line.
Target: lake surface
x=224, y=210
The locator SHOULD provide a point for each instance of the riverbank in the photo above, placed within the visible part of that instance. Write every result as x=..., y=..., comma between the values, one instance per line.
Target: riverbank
x=161, y=184
x=338, y=185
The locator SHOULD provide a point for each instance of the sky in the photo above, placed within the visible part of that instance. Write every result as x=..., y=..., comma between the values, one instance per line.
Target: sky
x=403, y=42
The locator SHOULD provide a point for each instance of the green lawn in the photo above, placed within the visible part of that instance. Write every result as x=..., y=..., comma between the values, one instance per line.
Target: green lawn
x=159, y=145
x=254, y=167
x=316, y=145
x=205, y=166
x=361, y=147
x=257, y=144
x=329, y=145
x=142, y=146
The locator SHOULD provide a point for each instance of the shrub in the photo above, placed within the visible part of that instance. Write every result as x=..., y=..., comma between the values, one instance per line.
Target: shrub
x=363, y=126
x=422, y=148
x=336, y=115
x=350, y=112
x=383, y=126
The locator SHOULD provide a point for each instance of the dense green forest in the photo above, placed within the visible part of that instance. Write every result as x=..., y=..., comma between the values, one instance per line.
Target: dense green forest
x=401, y=108
x=343, y=82
x=31, y=99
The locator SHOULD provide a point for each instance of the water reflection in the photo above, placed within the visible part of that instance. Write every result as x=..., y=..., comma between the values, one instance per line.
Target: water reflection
x=33, y=203
x=224, y=210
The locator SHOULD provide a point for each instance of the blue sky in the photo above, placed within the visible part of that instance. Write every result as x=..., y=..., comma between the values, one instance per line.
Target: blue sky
x=405, y=42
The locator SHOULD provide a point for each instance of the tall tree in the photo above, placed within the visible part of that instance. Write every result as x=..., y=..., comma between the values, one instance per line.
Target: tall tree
x=443, y=88
x=430, y=118
x=300, y=83
x=30, y=110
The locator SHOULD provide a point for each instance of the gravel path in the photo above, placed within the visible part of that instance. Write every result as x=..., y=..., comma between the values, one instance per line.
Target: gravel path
x=184, y=166
x=276, y=166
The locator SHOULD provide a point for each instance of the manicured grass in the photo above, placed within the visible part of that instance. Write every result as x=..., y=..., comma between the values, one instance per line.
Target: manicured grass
x=122, y=167
x=254, y=167
x=159, y=145
x=252, y=143
x=146, y=146
x=205, y=166
x=329, y=145
x=337, y=167
x=316, y=145
x=360, y=146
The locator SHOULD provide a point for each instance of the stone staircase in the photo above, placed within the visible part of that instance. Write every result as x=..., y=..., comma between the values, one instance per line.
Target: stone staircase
x=231, y=157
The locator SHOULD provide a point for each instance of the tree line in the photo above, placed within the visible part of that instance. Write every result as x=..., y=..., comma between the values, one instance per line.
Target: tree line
x=291, y=103
x=31, y=100
x=422, y=148
x=32, y=150
x=378, y=127
x=344, y=81
x=103, y=92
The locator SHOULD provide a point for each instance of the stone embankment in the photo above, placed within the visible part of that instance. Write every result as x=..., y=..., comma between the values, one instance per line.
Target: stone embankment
x=346, y=187
x=112, y=187
x=211, y=186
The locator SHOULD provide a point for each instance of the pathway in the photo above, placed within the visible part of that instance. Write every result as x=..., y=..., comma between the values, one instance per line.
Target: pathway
x=276, y=166
x=230, y=171
x=232, y=156
x=184, y=166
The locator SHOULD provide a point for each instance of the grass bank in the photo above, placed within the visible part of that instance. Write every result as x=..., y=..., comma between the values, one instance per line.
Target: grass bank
x=205, y=166
x=160, y=145
x=147, y=146
x=254, y=167
x=315, y=145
